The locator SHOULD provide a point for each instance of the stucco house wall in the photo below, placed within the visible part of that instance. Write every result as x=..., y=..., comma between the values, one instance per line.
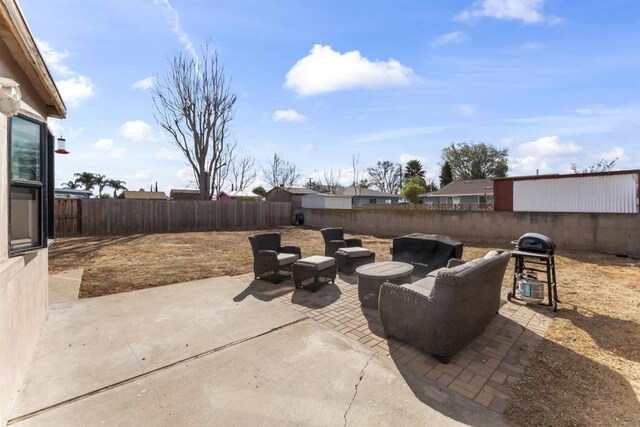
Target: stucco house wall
x=359, y=201
x=23, y=278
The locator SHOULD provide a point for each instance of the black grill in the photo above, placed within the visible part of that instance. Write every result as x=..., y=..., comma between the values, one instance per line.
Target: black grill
x=535, y=242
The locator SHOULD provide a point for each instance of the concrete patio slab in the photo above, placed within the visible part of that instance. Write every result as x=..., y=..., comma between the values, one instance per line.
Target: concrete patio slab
x=64, y=287
x=482, y=372
x=301, y=374
x=91, y=344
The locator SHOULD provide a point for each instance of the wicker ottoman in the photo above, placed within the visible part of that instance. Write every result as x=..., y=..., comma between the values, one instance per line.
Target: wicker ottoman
x=312, y=272
x=348, y=259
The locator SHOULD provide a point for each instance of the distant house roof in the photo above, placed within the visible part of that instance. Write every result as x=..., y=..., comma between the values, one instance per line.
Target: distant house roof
x=365, y=192
x=474, y=187
x=144, y=195
x=568, y=175
x=239, y=195
x=184, y=194
x=295, y=190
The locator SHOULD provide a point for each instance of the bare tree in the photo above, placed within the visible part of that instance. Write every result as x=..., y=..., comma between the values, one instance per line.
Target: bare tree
x=243, y=172
x=194, y=104
x=331, y=180
x=281, y=173
x=220, y=179
x=355, y=166
x=387, y=176
x=603, y=165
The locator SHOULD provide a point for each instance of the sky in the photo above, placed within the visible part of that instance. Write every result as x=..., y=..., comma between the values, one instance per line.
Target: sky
x=554, y=81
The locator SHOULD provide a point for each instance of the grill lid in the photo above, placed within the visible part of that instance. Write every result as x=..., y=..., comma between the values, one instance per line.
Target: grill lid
x=535, y=242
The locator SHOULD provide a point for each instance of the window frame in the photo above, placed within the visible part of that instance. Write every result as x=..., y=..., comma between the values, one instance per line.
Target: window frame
x=45, y=204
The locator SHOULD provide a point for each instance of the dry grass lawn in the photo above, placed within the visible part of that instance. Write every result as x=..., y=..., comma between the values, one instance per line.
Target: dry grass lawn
x=586, y=372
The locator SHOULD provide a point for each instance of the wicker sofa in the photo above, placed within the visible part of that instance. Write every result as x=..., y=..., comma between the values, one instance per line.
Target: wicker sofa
x=443, y=312
x=271, y=260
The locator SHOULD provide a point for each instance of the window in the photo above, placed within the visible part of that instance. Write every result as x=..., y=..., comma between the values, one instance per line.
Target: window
x=373, y=201
x=30, y=152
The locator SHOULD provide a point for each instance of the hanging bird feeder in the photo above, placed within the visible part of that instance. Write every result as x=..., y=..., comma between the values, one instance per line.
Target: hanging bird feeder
x=62, y=146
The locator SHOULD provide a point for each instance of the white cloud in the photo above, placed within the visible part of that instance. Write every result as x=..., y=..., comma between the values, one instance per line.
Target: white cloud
x=142, y=175
x=528, y=165
x=398, y=133
x=173, y=19
x=54, y=58
x=75, y=88
x=104, y=144
x=544, y=155
x=548, y=146
x=455, y=37
x=506, y=141
x=117, y=153
x=404, y=158
x=165, y=153
x=185, y=176
x=144, y=84
x=466, y=109
x=108, y=149
x=531, y=46
x=527, y=11
x=138, y=130
x=55, y=126
x=325, y=70
x=288, y=116
x=615, y=153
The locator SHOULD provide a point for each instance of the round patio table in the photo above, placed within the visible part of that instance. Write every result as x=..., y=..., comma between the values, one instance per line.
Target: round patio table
x=372, y=276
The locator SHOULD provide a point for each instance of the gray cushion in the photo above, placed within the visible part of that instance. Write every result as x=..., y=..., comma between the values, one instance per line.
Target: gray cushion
x=356, y=252
x=491, y=254
x=321, y=262
x=286, y=259
x=456, y=269
x=423, y=286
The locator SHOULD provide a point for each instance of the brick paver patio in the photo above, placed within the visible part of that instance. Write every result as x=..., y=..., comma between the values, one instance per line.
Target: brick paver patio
x=483, y=371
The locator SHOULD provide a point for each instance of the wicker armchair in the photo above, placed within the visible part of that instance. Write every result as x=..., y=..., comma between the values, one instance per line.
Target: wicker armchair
x=443, y=312
x=334, y=240
x=271, y=261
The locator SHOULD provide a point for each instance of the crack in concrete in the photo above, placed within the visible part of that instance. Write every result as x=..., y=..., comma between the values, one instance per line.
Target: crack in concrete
x=148, y=379
x=148, y=373
x=355, y=392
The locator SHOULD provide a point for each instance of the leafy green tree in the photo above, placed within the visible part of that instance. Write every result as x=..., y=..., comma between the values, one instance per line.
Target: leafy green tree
x=446, y=174
x=470, y=160
x=413, y=170
x=116, y=185
x=412, y=191
x=101, y=181
x=71, y=185
x=259, y=191
x=86, y=179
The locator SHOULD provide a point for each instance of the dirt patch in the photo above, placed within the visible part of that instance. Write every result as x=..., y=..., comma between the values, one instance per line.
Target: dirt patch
x=121, y=264
x=586, y=372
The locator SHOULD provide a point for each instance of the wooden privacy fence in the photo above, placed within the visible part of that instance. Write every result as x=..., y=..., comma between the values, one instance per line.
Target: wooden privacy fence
x=115, y=216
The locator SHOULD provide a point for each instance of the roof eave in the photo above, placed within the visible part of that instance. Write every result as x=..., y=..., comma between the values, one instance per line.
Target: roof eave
x=26, y=53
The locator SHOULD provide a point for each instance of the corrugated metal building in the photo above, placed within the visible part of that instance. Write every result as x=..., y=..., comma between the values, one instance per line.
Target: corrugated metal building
x=602, y=192
x=326, y=201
